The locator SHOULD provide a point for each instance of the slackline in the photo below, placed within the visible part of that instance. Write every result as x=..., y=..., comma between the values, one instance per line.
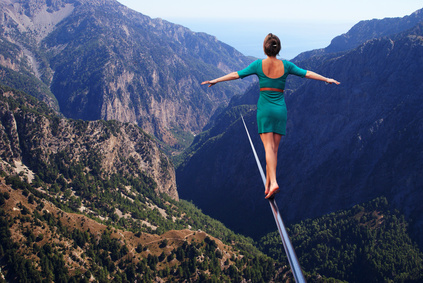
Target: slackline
x=289, y=249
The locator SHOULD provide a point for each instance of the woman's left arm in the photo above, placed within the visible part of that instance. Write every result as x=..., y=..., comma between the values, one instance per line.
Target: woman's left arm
x=315, y=76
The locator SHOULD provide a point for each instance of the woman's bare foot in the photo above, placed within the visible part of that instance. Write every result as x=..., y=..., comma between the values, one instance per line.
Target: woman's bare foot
x=266, y=190
x=274, y=189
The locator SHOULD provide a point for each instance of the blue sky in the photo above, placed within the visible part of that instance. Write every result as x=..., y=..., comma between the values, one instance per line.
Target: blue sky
x=301, y=25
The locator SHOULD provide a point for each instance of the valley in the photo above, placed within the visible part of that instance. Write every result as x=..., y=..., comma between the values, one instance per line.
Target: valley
x=117, y=165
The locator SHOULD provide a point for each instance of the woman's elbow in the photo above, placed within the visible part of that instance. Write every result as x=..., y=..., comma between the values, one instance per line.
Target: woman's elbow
x=308, y=74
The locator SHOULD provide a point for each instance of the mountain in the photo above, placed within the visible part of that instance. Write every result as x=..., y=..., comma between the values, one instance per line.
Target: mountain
x=365, y=243
x=100, y=60
x=364, y=31
x=33, y=136
x=345, y=144
x=39, y=241
x=71, y=216
x=96, y=201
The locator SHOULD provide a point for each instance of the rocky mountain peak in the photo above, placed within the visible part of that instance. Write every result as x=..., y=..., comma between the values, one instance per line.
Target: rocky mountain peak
x=102, y=60
x=366, y=30
x=38, y=18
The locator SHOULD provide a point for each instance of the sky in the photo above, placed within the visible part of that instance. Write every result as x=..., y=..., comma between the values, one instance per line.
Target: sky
x=301, y=25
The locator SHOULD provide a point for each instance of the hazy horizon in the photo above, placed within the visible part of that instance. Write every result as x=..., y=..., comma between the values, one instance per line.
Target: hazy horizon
x=301, y=26
x=249, y=42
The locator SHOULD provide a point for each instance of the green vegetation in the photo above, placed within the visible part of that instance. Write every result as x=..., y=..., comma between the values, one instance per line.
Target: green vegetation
x=28, y=83
x=19, y=74
x=183, y=137
x=368, y=243
x=26, y=102
x=102, y=255
x=126, y=199
x=75, y=183
x=224, y=121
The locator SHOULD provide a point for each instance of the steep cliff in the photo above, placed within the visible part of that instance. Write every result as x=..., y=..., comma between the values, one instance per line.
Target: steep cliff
x=32, y=134
x=102, y=60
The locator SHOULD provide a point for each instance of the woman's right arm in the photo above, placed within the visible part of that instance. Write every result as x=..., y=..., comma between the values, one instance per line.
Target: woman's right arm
x=228, y=77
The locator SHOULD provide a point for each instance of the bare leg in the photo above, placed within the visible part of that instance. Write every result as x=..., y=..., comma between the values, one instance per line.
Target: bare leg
x=271, y=144
x=266, y=190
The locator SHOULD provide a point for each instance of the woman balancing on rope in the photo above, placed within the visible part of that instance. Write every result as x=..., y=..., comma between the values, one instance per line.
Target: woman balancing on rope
x=271, y=108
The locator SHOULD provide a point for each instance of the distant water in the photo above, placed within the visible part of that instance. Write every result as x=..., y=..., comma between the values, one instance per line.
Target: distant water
x=247, y=37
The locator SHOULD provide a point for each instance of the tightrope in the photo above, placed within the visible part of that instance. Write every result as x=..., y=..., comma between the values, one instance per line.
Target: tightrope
x=289, y=249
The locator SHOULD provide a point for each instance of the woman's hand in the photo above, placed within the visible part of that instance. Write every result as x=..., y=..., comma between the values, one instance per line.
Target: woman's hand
x=314, y=76
x=208, y=83
x=332, y=81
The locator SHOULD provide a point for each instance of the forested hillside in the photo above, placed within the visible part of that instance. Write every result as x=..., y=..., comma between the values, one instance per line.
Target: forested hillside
x=368, y=243
x=98, y=200
x=39, y=241
x=83, y=200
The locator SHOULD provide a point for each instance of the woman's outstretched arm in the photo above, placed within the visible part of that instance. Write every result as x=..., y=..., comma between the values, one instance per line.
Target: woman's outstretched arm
x=228, y=77
x=315, y=76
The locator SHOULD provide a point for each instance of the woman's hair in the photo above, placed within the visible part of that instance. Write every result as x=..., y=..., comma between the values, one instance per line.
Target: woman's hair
x=271, y=45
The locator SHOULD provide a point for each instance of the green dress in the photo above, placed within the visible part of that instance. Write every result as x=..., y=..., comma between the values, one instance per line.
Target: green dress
x=271, y=108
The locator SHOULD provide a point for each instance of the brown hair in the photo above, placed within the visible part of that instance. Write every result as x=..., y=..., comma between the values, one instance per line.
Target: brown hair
x=272, y=45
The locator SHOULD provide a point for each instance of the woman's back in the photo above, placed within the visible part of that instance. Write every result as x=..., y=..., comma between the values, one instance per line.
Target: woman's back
x=273, y=68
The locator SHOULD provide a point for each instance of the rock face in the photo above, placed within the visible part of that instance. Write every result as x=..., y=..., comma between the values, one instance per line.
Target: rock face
x=38, y=139
x=102, y=60
x=345, y=144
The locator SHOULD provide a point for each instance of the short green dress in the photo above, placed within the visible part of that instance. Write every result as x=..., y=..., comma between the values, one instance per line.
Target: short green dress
x=271, y=108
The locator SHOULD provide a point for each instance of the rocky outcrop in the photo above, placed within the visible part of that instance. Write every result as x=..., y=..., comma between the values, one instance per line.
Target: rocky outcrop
x=38, y=18
x=102, y=60
x=36, y=138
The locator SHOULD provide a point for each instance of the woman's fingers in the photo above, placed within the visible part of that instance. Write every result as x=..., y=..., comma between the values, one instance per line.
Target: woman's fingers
x=332, y=81
x=208, y=82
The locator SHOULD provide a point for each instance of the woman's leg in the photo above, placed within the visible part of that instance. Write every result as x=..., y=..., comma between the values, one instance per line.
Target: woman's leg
x=271, y=144
x=266, y=190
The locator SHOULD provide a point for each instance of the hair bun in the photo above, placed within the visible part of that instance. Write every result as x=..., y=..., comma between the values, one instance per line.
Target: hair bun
x=271, y=45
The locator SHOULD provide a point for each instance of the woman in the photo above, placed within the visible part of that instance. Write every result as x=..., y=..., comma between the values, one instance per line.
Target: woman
x=271, y=108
